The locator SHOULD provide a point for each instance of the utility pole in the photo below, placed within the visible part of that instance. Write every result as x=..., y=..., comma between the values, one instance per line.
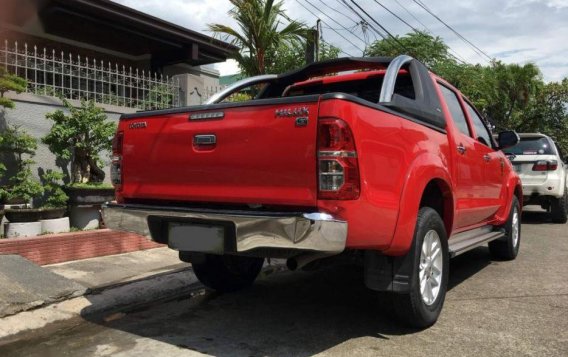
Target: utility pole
x=312, y=44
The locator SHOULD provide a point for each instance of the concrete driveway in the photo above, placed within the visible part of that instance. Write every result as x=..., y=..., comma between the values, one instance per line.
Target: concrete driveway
x=492, y=309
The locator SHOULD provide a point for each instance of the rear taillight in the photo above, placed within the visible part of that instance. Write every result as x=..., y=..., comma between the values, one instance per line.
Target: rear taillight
x=545, y=165
x=116, y=165
x=338, y=168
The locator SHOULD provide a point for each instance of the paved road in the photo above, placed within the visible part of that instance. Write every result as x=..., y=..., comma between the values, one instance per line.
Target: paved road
x=493, y=308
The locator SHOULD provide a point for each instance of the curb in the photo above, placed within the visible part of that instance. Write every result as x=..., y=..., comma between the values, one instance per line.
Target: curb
x=107, y=303
x=102, y=303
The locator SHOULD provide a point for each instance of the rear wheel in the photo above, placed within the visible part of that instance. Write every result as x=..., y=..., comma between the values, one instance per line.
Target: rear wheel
x=559, y=209
x=508, y=248
x=227, y=273
x=429, y=279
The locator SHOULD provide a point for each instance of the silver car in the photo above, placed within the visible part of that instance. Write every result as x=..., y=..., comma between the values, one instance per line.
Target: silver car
x=543, y=171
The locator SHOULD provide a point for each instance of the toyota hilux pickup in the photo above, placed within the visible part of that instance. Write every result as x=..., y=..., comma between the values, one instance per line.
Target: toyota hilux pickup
x=376, y=161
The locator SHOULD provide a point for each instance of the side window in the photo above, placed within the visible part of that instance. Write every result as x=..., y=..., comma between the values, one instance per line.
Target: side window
x=484, y=136
x=455, y=109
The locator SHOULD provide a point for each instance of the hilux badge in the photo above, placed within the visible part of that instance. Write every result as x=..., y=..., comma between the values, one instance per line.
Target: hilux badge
x=292, y=112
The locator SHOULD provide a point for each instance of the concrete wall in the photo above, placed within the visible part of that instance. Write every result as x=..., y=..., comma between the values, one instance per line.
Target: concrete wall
x=196, y=82
x=29, y=113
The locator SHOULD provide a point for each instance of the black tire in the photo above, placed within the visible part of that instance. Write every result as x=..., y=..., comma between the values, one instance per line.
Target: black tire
x=411, y=308
x=507, y=248
x=227, y=273
x=559, y=209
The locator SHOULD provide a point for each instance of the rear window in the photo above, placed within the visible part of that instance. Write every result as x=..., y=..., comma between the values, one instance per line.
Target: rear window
x=368, y=89
x=531, y=146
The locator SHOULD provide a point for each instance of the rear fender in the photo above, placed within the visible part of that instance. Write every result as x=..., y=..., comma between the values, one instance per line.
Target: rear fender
x=424, y=169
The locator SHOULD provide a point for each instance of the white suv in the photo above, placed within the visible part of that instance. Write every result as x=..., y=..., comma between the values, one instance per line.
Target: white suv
x=543, y=171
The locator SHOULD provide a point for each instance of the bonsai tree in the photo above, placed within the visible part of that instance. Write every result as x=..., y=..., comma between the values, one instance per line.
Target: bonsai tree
x=16, y=141
x=3, y=192
x=10, y=82
x=54, y=196
x=80, y=136
x=22, y=185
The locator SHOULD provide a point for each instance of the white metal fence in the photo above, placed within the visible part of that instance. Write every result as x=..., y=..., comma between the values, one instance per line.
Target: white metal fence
x=75, y=77
x=210, y=91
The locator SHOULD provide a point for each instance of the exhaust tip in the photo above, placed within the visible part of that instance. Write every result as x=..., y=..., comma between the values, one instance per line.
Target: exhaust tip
x=292, y=264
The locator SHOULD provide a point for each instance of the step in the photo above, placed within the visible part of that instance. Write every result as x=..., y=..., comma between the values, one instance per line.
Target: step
x=465, y=241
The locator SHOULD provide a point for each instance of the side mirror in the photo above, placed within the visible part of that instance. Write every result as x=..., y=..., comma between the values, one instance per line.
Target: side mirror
x=507, y=139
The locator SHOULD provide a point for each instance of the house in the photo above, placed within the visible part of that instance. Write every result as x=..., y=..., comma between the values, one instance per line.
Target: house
x=123, y=59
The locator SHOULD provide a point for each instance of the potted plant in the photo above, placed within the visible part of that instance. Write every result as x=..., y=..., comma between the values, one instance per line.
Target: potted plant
x=15, y=141
x=2, y=192
x=55, y=199
x=8, y=82
x=22, y=186
x=80, y=136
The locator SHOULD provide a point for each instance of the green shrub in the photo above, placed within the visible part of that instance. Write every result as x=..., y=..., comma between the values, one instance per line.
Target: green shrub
x=80, y=136
x=23, y=185
x=54, y=196
x=10, y=82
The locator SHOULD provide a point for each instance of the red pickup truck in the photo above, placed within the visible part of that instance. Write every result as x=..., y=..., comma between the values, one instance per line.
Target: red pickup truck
x=370, y=160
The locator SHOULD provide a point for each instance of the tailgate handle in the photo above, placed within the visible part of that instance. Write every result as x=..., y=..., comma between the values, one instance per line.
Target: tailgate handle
x=200, y=140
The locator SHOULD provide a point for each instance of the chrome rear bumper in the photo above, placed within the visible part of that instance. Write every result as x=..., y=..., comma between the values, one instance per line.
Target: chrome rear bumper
x=245, y=230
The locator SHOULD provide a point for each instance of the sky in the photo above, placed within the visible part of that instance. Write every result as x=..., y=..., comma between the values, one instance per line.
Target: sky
x=512, y=31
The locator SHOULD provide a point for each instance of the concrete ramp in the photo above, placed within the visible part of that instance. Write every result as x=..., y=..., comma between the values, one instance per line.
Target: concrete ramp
x=25, y=285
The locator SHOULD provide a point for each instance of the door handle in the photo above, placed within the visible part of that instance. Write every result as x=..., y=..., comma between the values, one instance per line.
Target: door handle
x=461, y=149
x=486, y=157
x=204, y=142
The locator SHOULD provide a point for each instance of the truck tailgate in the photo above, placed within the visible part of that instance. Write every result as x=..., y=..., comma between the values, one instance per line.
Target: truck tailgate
x=263, y=154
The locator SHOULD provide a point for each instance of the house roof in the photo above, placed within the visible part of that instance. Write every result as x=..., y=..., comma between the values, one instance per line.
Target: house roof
x=106, y=24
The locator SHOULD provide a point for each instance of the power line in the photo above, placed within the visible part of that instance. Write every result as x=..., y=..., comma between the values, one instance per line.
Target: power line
x=477, y=49
x=330, y=45
x=339, y=12
x=332, y=19
x=456, y=56
x=395, y=15
x=414, y=17
x=381, y=26
x=321, y=38
x=345, y=4
x=349, y=41
x=342, y=29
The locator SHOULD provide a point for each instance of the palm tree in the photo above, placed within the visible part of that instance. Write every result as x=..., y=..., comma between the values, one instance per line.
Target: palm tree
x=259, y=33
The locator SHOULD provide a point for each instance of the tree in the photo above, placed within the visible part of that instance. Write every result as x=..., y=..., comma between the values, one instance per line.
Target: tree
x=429, y=50
x=289, y=57
x=22, y=185
x=549, y=113
x=513, y=96
x=80, y=137
x=259, y=32
x=510, y=92
x=10, y=82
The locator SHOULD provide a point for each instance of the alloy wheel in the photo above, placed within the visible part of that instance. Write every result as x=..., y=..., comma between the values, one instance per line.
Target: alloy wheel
x=431, y=267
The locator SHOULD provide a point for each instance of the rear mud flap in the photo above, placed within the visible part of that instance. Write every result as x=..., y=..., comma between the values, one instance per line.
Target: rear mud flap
x=384, y=273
